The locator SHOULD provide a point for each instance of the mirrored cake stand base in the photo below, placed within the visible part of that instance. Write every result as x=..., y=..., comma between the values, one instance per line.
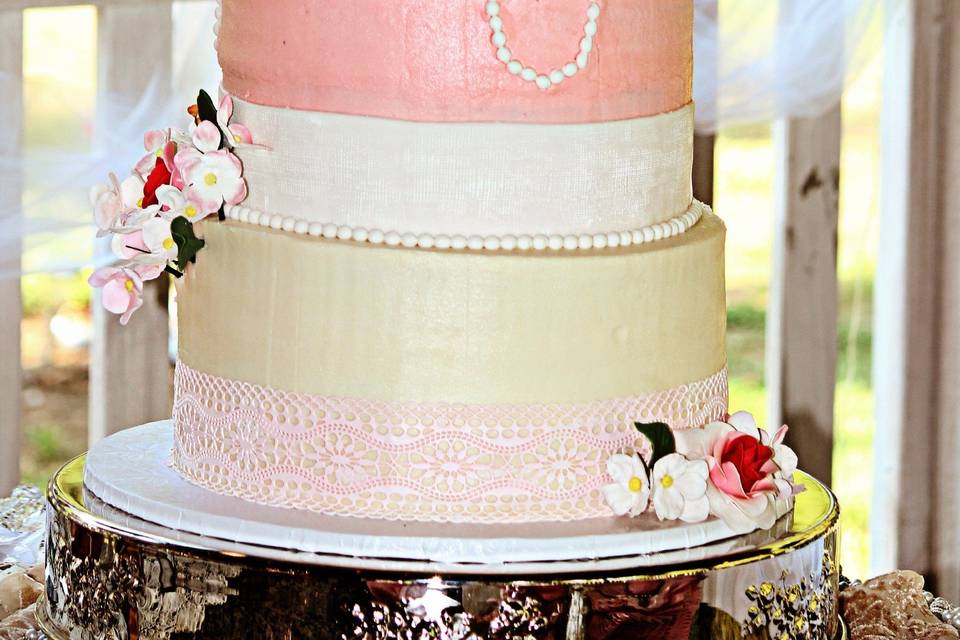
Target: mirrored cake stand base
x=113, y=576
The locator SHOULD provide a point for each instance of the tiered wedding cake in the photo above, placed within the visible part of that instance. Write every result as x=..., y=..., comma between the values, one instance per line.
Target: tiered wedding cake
x=441, y=276
x=450, y=293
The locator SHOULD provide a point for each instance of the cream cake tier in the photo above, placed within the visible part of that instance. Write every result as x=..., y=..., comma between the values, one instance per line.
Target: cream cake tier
x=415, y=384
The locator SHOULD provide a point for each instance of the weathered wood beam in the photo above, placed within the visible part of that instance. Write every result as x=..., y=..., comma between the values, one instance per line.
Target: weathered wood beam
x=11, y=114
x=916, y=364
x=704, y=146
x=802, y=309
x=129, y=366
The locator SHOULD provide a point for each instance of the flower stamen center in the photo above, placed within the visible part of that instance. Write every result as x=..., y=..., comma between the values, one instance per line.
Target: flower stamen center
x=210, y=179
x=168, y=243
x=666, y=481
x=128, y=285
x=190, y=211
x=635, y=484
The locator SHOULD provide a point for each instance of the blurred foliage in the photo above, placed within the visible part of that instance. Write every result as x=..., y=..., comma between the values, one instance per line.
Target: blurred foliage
x=46, y=442
x=44, y=293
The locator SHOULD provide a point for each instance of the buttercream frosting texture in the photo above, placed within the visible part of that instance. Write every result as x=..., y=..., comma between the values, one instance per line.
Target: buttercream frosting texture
x=326, y=317
x=382, y=342
x=433, y=60
x=468, y=178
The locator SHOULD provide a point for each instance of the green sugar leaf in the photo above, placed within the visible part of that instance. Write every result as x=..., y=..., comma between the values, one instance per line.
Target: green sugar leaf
x=187, y=242
x=207, y=110
x=660, y=437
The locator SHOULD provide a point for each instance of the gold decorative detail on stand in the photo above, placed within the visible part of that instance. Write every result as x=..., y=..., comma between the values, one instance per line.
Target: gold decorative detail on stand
x=110, y=580
x=794, y=610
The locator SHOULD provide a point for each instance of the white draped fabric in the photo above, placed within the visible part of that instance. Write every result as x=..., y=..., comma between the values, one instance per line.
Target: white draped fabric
x=756, y=60
x=759, y=60
x=54, y=221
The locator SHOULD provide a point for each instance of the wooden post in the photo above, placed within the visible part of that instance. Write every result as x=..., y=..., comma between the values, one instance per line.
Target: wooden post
x=916, y=365
x=11, y=114
x=945, y=485
x=801, y=331
x=704, y=144
x=801, y=345
x=129, y=366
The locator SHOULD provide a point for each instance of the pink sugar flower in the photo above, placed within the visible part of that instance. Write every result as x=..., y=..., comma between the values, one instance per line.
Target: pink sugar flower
x=236, y=133
x=108, y=207
x=122, y=287
x=153, y=143
x=213, y=174
x=129, y=245
x=160, y=144
x=750, y=471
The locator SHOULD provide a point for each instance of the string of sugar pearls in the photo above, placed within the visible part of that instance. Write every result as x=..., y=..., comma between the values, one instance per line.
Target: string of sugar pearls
x=529, y=74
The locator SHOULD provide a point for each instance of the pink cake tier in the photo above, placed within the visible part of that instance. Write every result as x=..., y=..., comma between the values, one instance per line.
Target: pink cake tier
x=442, y=60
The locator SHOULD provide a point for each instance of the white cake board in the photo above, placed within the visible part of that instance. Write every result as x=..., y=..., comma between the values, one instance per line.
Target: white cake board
x=129, y=473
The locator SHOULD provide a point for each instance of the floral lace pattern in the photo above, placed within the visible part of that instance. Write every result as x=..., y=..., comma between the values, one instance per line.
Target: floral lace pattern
x=416, y=461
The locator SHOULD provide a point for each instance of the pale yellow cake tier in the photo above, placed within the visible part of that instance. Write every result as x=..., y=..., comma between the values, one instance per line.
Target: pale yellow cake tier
x=343, y=319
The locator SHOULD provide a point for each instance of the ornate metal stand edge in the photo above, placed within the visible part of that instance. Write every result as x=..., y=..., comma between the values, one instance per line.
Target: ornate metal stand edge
x=108, y=582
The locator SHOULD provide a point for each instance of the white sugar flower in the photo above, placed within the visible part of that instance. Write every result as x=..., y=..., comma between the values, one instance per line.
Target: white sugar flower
x=159, y=240
x=131, y=192
x=180, y=203
x=680, y=489
x=630, y=491
x=117, y=206
x=108, y=205
x=214, y=174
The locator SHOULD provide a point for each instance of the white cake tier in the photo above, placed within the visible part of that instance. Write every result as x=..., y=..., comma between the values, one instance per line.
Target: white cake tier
x=467, y=179
x=129, y=472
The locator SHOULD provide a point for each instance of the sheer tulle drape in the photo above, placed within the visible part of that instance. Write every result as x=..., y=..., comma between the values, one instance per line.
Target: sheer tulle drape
x=53, y=223
x=758, y=60
x=755, y=60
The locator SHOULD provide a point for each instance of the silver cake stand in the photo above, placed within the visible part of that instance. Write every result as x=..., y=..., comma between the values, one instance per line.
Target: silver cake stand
x=114, y=577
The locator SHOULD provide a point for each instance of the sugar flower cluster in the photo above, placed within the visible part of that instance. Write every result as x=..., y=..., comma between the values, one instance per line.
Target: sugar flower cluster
x=731, y=469
x=183, y=178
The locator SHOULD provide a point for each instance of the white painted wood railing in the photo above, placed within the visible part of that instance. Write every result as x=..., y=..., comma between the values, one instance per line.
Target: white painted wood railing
x=916, y=367
x=11, y=111
x=132, y=357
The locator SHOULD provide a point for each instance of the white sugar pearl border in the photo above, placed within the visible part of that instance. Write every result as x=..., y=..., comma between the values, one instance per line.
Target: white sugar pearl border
x=543, y=80
x=522, y=242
